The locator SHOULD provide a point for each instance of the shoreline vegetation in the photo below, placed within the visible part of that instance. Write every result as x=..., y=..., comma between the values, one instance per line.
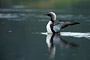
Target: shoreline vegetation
x=46, y=4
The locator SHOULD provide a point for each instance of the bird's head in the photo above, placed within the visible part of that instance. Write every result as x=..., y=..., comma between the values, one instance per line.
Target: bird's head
x=52, y=15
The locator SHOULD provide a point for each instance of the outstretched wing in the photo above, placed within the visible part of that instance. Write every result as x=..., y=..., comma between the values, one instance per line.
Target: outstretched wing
x=68, y=22
x=60, y=24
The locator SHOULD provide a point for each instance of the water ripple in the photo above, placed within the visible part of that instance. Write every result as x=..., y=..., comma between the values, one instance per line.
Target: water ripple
x=73, y=17
x=74, y=34
x=14, y=16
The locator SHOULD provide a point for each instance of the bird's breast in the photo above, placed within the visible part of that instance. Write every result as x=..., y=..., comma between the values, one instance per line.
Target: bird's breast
x=48, y=27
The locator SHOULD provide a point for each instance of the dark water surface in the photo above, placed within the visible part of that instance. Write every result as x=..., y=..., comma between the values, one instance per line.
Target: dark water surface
x=23, y=36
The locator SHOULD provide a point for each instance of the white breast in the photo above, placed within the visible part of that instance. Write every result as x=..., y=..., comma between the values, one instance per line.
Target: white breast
x=48, y=27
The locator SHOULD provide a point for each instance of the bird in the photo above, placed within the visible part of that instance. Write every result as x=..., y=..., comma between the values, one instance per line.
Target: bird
x=55, y=26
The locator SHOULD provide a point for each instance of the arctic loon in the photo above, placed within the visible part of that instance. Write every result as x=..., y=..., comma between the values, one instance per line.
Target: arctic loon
x=55, y=26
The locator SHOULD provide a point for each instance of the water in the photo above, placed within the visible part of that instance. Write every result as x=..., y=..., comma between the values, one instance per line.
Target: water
x=23, y=36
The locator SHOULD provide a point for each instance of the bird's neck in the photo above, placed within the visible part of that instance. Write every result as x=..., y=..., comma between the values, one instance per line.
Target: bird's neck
x=52, y=20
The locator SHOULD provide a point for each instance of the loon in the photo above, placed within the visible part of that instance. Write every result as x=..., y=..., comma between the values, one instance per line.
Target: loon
x=55, y=26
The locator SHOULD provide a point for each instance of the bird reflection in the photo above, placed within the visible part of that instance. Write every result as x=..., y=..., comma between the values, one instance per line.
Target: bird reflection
x=54, y=40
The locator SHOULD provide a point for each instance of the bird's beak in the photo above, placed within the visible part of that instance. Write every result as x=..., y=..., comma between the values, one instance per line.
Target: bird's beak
x=47, y=14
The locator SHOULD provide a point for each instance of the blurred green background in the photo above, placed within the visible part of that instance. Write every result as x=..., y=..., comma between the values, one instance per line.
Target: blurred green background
x=47, y=4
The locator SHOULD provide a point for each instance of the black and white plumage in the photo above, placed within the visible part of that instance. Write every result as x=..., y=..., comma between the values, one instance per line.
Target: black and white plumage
x=55, y=26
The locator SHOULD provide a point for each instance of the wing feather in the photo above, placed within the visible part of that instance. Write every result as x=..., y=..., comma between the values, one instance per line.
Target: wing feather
x=60, y=24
